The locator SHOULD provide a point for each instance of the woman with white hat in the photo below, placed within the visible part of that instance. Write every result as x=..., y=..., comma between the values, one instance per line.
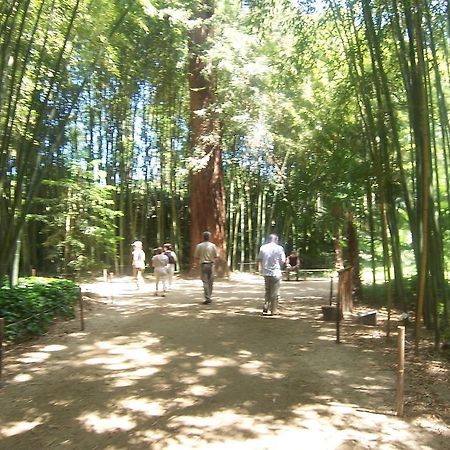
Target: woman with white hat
x=138, y=263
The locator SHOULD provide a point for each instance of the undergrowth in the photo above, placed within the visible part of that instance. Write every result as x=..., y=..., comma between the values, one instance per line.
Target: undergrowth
x=34, y=303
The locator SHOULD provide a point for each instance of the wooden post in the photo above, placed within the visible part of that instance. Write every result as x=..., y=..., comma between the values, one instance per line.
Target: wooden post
x=33, y=272
x=2, y=332
x=105, y=275
x=80, y=300
x=110, y=278
x=401, y=371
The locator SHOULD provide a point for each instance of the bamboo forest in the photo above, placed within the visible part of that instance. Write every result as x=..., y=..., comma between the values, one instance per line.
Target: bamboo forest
x=323, y=122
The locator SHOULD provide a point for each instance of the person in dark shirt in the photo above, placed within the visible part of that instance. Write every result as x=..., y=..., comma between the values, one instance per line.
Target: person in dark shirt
x=292, y=265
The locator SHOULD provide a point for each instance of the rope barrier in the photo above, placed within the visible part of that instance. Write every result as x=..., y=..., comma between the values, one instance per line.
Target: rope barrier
x=27, y=318
x=23, y=320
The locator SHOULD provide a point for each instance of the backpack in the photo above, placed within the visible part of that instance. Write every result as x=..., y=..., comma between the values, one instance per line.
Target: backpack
x=169, y=254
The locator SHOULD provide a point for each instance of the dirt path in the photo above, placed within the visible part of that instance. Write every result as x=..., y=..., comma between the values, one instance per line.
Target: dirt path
x=169, y=373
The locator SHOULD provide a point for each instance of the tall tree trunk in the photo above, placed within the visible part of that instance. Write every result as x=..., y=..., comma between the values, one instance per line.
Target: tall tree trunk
x=338, y=252
x=230, y=217
x=371, y=232
x=243, y=209
x=353, y=256
x=259, y=219
x=207, y=193
x=250, y=231
x=386, y=263
x=422, y=140
x=16, y=263
x=235, y=242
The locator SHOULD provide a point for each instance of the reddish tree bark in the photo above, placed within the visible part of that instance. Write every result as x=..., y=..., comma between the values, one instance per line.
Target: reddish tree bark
x=207, y=194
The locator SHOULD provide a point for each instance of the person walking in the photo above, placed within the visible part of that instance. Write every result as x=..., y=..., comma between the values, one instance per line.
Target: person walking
x=206, y=254
x=160, y=262
x=172, y=262
x=271, y=257
x=138, y=263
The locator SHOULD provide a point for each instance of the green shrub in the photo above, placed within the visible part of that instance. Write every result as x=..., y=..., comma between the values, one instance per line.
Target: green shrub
x=31, y=306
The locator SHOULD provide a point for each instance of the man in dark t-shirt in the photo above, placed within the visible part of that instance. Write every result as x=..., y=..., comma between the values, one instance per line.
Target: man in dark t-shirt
x=292, y=265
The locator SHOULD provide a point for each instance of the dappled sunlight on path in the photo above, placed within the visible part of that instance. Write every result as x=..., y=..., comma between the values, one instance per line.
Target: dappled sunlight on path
x=170, y=373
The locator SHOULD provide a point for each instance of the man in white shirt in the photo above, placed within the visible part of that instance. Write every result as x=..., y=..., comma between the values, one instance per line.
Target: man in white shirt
x=271, y=257
x=206, y=254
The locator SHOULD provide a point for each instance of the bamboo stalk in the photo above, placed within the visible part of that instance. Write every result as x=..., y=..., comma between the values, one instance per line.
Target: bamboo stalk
x=338, y=307
x=2, y=328
x=400, y=371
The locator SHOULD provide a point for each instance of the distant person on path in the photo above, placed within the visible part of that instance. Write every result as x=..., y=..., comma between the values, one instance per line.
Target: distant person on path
x=293, y=265
x=159, y=263
x=138, y=263
x=271, y=257
x=172, y=262
x=206, y=254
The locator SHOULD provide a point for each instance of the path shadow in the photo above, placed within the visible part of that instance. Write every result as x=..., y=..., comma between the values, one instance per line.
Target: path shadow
x=153, y=372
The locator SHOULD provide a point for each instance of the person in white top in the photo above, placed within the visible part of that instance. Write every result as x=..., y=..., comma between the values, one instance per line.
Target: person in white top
x=206, y=253
x=271, y=257
x=159, y=263
x=138, y=263
x=172, y=261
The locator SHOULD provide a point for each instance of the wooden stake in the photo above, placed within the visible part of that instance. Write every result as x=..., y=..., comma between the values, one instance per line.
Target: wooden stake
x=110, y=278
x=80, y=300
x=401, y=371
x=33, y=272
x=105, y=275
